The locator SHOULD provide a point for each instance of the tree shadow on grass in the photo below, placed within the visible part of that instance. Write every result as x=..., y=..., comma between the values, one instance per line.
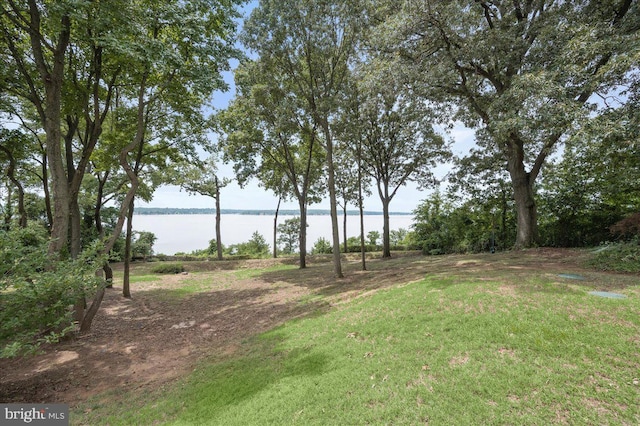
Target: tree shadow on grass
x=157, y=336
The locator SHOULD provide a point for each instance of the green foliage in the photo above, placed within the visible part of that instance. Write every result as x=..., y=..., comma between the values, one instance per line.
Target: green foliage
x=36, y=293
x=256, y=247
x=620, y=257
x=322, y=246
x=212, y=250
x=289, y=235
x=168, y=268
x=440, y=227
x=373, y=237
x=142, y=246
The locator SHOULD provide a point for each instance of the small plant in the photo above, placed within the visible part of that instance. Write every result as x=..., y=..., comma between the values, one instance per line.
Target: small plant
x=168, y=268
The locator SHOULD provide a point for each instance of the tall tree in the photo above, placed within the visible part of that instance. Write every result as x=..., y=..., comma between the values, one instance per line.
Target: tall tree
x=522, y=72
x=35, y=39
x=399, y=143
x=311, y=42
x=267, y=136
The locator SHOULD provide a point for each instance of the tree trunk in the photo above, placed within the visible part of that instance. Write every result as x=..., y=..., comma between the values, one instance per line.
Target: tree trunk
x=52, y=76
x=11, y=175
x=60, y=225
x=303, y=232
x=131, y=193
x=344, y=228
x=92, y=311
x=363, y=250
x=331, y=182
x=8, y=210
x=45, y=189
x=218, y=231
x=275, y=230
x=97, y=218
x=126, y=290
x=527, y=228
x=386, y=246
x=75, y=226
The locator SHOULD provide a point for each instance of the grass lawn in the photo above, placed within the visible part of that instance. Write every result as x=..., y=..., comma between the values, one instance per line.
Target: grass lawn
x=476, y=346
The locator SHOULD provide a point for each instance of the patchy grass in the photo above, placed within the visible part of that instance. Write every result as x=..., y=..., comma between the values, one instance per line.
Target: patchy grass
x=256, y=272
x=479, y=340
x=142, y=278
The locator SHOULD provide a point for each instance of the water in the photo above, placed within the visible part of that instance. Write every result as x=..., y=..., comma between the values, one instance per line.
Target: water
x=185, y=233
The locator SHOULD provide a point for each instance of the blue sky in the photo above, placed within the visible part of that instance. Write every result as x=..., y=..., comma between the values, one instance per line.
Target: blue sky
x=253, y=197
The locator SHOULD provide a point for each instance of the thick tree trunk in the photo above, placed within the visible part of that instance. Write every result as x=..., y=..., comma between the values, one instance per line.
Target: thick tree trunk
x=527, y=227
x=331, y=182
x=218, y=230
x=303, y=232
x=52, y=75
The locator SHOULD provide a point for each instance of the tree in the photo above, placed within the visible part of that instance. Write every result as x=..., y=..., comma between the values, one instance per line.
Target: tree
x=310, y=43
x=348, y=183
x=12, y=146
x=373, y=237
x=143, y=244
x=397, y=236
x=596, y=183
x=479, y=180
x=289, y=231
x=203, y=180
x=399, y=143
x=35, y=39
x=264, y=119
x=522, y=73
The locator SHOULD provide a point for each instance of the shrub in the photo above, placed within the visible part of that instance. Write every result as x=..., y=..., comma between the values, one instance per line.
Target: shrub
x=620, y=257
x=168, y=268
x=37, y=292
x=321, y=246
x=256, y=247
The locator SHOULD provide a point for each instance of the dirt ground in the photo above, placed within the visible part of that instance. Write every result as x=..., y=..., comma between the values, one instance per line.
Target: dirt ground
x=163, y=332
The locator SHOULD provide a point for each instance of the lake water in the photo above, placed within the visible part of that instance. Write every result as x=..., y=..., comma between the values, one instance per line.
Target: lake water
x=185, y=233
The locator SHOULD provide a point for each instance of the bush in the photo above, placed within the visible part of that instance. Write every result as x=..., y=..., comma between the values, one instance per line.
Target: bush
x=620, y=257
x=37, y=292
x=321, y=246
x=168, y=268
x=256, y=247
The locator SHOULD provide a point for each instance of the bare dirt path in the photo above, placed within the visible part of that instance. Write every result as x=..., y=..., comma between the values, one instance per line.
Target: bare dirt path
x=175, y=321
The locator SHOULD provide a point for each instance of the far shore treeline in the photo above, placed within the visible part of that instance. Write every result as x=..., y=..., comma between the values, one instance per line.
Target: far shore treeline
x=312, y=212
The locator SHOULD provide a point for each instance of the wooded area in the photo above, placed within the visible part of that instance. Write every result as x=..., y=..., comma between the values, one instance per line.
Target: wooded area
x=103, y=102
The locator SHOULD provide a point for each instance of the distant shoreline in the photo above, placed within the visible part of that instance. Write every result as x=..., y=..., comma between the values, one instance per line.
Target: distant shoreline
x=310, y=212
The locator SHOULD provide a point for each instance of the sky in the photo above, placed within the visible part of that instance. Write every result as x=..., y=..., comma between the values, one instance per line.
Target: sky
x=253, y=197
